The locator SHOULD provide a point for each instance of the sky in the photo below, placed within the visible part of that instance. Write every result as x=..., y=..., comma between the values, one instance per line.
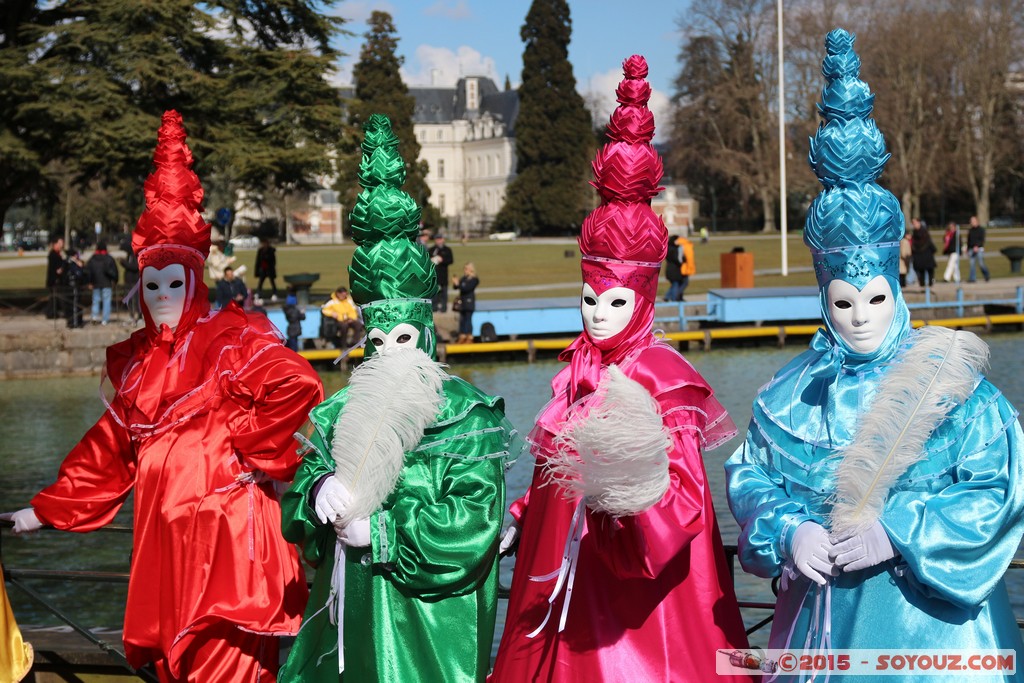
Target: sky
x=447, y=39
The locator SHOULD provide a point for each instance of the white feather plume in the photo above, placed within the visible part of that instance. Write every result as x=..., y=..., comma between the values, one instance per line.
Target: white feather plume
x=392, y=398
x=616, y=455
x=937, y=372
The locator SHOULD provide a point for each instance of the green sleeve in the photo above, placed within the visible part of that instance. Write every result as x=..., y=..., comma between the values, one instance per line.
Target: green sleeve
x=442, y=539
x=439, y=536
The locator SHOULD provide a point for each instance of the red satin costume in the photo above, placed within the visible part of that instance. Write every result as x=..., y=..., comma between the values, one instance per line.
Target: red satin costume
x=196, y=414
x=650, y=596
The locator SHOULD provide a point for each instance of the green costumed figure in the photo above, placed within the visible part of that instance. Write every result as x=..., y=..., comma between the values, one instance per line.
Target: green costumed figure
x=399, y=500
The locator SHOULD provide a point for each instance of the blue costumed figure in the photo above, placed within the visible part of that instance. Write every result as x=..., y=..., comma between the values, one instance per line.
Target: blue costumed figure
x=882, y=476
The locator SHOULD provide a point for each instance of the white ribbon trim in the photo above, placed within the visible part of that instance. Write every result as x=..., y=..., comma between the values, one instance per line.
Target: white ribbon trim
x=336, y=600
x=566, y=573
x=821, y=625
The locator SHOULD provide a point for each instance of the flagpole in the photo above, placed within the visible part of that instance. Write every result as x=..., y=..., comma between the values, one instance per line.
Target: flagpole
x=782, y=149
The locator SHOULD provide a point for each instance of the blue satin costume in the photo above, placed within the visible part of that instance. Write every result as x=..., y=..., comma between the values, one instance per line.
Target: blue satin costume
x=955, y=518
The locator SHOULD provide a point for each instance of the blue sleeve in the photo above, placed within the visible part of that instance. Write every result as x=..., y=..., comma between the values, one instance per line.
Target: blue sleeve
x=958, y=540
x=760, y=501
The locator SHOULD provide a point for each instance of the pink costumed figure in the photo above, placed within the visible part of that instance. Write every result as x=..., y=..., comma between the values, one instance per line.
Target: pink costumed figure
x=620, y=573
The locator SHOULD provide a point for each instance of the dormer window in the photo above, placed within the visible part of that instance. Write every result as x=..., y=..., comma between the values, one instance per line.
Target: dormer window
x=472, y=94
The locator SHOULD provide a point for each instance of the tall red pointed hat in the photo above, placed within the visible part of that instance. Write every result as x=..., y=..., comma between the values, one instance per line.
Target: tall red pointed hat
x=172, y=229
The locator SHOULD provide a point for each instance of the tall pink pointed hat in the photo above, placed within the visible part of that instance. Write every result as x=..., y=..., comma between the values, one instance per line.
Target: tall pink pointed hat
x=627, y=171
x=623, y=241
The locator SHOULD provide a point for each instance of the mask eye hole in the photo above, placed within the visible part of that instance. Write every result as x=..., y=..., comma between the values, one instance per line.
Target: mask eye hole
x=878, y=299
x=377, y=341
x=152, y=286
x=618, y=303
x=177, y=283
x=843, y=304
x=590, y=301
x=404, y=338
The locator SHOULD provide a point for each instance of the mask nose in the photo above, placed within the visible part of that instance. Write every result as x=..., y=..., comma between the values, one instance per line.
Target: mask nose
x=860, y=316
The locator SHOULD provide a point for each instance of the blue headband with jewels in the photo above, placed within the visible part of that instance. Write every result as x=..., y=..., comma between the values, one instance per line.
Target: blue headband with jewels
x=857, y=265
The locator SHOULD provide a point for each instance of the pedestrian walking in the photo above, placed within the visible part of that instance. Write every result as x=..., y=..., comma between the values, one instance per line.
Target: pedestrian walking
x=976, y=250
x=951, y=248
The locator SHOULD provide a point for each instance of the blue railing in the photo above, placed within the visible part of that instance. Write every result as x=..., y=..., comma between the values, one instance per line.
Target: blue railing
x=686, y=312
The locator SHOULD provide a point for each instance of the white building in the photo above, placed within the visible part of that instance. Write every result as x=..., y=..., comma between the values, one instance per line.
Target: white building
x=676, y=207
x=466, y=138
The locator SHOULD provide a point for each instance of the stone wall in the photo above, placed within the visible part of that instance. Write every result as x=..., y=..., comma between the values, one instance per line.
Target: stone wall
x=38, y=347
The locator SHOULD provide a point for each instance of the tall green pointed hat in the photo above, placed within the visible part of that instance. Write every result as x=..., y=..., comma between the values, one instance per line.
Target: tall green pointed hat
x=391, y=276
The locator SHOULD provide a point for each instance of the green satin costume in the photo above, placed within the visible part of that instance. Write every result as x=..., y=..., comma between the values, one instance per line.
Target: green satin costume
x=420, y=602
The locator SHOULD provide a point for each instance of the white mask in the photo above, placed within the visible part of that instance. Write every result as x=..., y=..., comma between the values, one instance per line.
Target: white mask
x=163, y=291
x=402, y=335
x=861, y=317
x=606, y=315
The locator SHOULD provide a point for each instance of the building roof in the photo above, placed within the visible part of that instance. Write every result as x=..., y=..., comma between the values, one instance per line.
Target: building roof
x=444, y=105
x=433, y=105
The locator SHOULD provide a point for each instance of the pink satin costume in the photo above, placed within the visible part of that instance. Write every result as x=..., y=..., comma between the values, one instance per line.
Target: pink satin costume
x=650, y=594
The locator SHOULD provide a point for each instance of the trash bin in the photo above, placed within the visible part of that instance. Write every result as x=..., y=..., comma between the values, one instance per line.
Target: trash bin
x=737, y=268
x=301, y=283
x=1015, y=254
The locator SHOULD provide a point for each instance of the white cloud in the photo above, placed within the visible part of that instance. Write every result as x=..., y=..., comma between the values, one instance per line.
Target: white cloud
x=443, y=67
x=449, y=10
x=341, y=76
x=599, y=94
x=430, y=65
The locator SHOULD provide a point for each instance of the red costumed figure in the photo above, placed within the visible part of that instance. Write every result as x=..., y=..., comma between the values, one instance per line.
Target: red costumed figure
x=620, y=573
x=200, y=415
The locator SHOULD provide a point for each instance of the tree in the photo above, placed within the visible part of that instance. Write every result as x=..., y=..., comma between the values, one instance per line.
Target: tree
x=986, y=121
x=87, y=82
x=379, y=89
x=694, y=130
x=912, y=84
x=554, y=141
x=731, y=108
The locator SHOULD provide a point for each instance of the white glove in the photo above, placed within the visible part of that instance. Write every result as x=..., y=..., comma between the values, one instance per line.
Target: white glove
x=810, y=552
x=331, y=500
x=25, y=520
x=508, y=540
x=863, y=550
x=356, y=534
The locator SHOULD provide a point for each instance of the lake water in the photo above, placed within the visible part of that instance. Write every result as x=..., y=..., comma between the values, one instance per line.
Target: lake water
x=43, y=419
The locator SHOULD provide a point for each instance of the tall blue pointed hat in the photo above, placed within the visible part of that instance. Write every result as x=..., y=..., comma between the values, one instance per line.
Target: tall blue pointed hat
x=854, y=226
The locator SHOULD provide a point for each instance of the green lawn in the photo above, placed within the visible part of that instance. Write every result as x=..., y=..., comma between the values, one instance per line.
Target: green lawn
x=526, y=262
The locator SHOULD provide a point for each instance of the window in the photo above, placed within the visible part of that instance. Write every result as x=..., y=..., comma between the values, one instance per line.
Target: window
x=440, y=203
x=440, y=135
x=440, y=168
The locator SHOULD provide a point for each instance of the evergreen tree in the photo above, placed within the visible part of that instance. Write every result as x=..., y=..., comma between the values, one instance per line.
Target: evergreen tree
x=87, y=82
x=379, y=90
x=554, y=140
